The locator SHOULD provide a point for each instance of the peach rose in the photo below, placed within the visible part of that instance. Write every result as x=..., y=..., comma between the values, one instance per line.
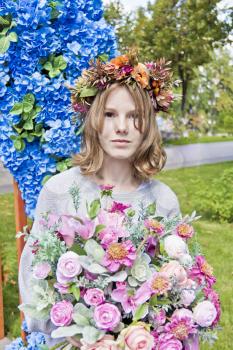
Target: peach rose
x=105, y=343
x=174, y=269
x=136, y=337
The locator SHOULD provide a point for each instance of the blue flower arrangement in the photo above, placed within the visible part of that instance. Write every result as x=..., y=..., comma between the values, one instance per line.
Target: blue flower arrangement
x=43, y=45
x=33, y=341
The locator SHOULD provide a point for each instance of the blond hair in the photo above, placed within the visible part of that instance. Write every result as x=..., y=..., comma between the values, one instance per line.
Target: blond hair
x=149, y=158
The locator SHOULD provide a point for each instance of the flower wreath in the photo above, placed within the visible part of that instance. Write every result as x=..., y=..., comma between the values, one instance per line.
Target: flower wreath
x=155, y=77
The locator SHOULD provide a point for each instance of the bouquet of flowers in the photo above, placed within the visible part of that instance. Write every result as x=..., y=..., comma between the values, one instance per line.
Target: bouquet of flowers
x=112, y=282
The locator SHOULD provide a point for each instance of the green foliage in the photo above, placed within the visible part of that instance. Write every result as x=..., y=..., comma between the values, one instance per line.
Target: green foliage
x=6, y=38
x=217, y=198
x=54, y=65
x=27, y=129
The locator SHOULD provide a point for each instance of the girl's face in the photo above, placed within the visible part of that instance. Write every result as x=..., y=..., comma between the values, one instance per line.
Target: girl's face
x=119, y=115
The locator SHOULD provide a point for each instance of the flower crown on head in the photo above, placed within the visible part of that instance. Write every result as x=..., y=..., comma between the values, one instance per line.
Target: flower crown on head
x=155, y=77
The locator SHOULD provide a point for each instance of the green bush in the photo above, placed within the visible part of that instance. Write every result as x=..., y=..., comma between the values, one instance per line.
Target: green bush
x=216, y=200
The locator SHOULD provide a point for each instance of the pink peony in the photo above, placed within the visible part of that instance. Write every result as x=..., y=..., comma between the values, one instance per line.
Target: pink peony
x=61, y=313
x=183, y=313
x=135, y=338
x=202, y=271
x=204, y=313
x=94, y=297
x=68, y=267
x=114, y=227
x=155, y=226
x=87, y=229
x=174, y=270
x=119, y=207
x=107, y=316
x=180, y=327
x=185, y=231
x=175, y=246
x=119, y=254
x=167, y=341
x=214, y=298
x=105, y=343
x=41, y=270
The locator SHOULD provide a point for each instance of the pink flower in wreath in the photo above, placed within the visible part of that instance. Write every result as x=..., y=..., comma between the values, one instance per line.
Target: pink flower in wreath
x=94, y=296
x=184, y=230
x=202, y=271
x=180, y=327
x=61, y=313
x=105, y=343
x=118, y=254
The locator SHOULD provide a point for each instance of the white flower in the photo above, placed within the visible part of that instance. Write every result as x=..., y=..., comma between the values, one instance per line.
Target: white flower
x=204, y=313
x=175, y=246
x=186, y=260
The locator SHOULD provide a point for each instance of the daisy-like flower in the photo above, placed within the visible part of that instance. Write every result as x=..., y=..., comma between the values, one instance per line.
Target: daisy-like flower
x=155, y=226
x=202, y=271
x=184, y=230
x=180, y=327
x=118, y=254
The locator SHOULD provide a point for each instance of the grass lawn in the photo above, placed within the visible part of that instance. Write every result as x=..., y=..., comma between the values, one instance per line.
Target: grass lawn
x=216, y=240
x=201, y=139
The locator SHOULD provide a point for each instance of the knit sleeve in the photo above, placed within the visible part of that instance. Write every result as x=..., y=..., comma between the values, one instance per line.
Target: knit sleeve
x=46, y=202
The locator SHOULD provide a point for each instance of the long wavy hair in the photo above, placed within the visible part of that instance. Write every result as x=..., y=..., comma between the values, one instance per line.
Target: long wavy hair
x=148, y=159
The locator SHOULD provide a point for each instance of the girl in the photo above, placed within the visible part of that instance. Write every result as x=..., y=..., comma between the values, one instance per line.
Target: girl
x=121, y=147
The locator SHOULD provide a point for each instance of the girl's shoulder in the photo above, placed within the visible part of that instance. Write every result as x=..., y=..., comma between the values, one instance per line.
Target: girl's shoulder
x=166, y=199
x=59, y=184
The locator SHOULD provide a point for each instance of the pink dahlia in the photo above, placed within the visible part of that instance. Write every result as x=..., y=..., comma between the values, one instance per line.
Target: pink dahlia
x=155, y=226
x=118, y=207
x=185, y=231
x=180, y=327
x=214, y=298
x=118, y=254
x=202, y=271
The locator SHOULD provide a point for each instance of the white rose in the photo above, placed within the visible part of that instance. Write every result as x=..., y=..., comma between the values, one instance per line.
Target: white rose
x=204, y=313
x=175, y=246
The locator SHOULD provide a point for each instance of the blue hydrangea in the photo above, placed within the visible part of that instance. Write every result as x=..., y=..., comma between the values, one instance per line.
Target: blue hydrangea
x=75, y=30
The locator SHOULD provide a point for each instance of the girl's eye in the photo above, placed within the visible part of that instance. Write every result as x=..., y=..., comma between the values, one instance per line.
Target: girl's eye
x=134, y=116
x=108, y=114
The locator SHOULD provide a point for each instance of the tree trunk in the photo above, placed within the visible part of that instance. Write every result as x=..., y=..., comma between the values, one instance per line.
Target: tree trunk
x=184, y=89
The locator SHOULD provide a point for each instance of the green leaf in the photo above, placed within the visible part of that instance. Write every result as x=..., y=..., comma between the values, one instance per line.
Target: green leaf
x=45, y=179
x=13, y=37
x=60, y=63
x=48, y=66
x=43, y=347
x=151, y=208
x=54, y=72
x=17, y=109
x=99, y=228
x=32, y=312
x=28, y=102
x=61, y=166
x=103, y=57
x=92, y=334
x=4, y=21
x=94, y=250
x=75, y=291
x=69, y=331
x=19, y=144
x=141, y=312
x=153, y=300
x=17, y=128
x=29, y=125
x=78, y=249
x=30, y=138
x=94, y=208
x=4, y=44
x=80, y=320
x=88, y=91
x=82, y=310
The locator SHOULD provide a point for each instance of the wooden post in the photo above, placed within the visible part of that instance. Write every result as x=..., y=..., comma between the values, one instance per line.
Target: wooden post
x=20, y=222
x=1, y=304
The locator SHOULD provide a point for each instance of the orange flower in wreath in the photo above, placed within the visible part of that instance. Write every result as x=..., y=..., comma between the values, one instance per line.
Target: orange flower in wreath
x=140, y=74
x=120, y=61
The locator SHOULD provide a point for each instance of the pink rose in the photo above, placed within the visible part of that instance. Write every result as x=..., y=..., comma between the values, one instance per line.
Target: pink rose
x=183, y=313
x=105, y=343
x=107, y=316
x=61, y=313
x=68, y=267
x=204, y=313
x=174, y=269
x=167, y=341
x=94, y=296
x=135, y=338
x=41, y=270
